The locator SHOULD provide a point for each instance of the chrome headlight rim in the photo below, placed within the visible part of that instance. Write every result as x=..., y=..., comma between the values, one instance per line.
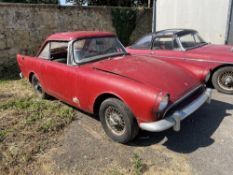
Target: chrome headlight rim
x=207, y=77
x=163, y=104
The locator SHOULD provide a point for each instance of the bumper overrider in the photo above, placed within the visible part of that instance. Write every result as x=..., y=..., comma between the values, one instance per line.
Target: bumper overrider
x=175, y=119
x=21, y=75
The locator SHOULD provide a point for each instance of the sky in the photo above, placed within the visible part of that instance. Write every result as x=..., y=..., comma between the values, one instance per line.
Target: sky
x=65, y=2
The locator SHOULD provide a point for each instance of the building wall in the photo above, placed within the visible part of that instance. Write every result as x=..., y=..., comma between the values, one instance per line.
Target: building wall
x=209, y=17
x=24, y=26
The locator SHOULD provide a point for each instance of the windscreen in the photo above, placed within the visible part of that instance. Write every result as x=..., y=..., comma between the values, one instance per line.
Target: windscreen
x=191, y=40
x=96, y=48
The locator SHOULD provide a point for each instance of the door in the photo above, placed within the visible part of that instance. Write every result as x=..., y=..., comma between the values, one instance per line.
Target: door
x=59, y=78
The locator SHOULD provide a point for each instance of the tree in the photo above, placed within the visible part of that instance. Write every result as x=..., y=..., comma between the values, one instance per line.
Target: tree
x=32, y=1
x=125, y=3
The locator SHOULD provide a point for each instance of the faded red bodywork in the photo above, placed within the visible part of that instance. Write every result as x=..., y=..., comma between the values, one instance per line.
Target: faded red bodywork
x=210, y=56
x=199, y=60
x=178, y=58
x=137, y=81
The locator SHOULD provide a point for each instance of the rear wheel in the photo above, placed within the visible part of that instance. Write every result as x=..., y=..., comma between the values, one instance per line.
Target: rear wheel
x=223, y=80
x=38, y=88
x=118, y=121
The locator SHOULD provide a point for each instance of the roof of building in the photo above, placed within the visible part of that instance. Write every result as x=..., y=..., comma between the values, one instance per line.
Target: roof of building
x=67, y=36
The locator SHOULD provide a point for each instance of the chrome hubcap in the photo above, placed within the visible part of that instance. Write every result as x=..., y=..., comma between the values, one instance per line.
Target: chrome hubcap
x=225, y=80
x=114, y=120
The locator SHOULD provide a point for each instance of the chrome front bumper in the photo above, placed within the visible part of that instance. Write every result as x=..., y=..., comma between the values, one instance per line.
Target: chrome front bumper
x=21, y=75
x=175, y=119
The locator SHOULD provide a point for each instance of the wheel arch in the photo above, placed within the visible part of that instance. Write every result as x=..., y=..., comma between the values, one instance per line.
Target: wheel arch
x=215, y=69
x=30, y=76
x=100, y=98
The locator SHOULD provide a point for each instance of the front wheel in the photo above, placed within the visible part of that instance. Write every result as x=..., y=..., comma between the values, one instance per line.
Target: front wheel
x=118, y=121
x=223, y=80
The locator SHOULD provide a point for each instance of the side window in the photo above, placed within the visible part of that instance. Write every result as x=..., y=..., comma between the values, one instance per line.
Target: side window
x=45, y=52
x=55, y=51
x=143, y=43
x=59, y=52
x=165, y=43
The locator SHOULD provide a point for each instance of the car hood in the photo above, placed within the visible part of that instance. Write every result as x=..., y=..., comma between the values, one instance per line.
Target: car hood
x=151, y=72
x=213, y=52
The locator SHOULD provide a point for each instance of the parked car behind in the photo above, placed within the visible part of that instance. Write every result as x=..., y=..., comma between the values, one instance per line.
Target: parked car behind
x=93, y=72
x=186, y=48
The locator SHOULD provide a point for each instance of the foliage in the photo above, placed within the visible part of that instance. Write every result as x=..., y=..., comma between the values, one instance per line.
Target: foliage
x=32, y=1
x=28, y=126
x=124, y=21
x=137, y=162
x=37, y=110
x=126, y=3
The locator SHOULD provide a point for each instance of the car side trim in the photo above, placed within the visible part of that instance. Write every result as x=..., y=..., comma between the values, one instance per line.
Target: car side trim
x=175, y=119
x=191, y=59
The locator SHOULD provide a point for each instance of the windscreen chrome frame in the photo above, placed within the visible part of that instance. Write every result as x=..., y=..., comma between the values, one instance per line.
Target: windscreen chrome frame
x=72, y=60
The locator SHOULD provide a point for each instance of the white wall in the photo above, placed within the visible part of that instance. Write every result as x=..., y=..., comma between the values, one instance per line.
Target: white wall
x=209, y=17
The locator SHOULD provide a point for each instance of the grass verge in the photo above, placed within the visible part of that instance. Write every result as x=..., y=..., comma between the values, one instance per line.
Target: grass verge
x=28, y=126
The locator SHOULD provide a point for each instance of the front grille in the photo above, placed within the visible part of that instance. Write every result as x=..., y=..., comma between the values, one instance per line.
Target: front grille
x=184, y=101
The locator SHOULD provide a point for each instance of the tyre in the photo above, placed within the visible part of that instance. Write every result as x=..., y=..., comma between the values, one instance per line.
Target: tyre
x=118, y=121
x=38, y=88
x=222, y=80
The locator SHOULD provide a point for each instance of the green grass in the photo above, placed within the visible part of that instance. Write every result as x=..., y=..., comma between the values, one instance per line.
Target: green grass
x=16, y=104
x=28, y=126
x=3, y=134
x=137, y=163
x=48, y=125
x=4, y=81
x=114, y=172
x=52, y=115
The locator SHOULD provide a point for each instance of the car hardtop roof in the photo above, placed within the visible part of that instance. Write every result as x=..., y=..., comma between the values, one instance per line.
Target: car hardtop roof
x=172, y=32
x=67, y=36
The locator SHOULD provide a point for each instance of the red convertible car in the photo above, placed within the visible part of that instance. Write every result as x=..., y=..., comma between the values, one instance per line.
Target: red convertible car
x=93, y=72
x=186, y=47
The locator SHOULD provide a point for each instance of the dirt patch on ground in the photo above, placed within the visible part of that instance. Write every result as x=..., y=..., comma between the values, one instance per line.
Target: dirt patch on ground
x=35, y=139
x=85, y=149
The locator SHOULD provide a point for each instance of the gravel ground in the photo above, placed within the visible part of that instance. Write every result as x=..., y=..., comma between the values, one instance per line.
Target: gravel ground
x=202, y=147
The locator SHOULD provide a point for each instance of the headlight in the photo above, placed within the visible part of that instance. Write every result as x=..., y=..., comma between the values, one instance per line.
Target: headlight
x=207, y=78
x=163, y=103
